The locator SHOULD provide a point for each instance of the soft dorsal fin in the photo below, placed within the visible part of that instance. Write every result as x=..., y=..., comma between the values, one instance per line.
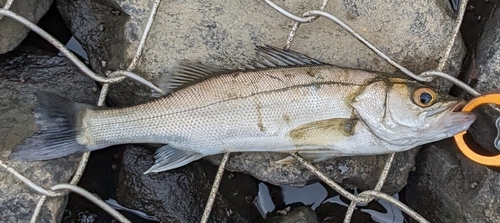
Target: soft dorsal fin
x=187, y=73
x=273, y=57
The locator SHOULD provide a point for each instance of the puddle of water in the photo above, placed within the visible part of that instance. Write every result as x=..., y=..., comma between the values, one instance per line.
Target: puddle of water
x=312, y=194
x=263, y=200
x=316, y=194
x=76, y=47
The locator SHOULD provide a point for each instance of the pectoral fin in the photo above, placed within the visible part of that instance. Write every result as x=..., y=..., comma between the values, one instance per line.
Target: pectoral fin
x=310, y=157
x=323, y=133
x=167, y=158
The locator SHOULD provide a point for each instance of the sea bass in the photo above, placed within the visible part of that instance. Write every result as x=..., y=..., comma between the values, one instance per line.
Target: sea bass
x=285, y=102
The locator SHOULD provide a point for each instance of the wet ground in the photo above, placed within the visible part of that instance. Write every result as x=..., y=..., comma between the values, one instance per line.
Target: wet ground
x=101, y=175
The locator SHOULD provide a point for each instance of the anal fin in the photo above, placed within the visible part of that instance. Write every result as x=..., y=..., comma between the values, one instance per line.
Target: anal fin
x=310, y=157
x=168, y=158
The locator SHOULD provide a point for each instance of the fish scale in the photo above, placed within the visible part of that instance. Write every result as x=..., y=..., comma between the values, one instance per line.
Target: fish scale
x=212, y=117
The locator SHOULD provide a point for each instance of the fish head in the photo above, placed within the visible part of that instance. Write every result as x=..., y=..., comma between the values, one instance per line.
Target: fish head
x=405, y=113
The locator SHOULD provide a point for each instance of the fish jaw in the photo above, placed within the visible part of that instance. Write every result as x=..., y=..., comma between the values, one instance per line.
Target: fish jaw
x=437, y=125
x=451, y=120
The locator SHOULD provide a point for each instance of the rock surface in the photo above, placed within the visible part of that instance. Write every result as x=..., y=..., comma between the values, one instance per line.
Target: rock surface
x=335, y=213
x=225, y=33
x=13, y=32
x=354, y=172
x=448, y=187
x=487, y=71
x=180, y=195
x=21, y=74
x=488, y=56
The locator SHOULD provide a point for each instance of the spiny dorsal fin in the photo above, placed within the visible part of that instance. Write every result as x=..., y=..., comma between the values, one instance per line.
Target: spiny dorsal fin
x=188, y=73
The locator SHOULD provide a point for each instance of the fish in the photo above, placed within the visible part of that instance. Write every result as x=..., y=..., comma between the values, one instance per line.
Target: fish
x=283, y=102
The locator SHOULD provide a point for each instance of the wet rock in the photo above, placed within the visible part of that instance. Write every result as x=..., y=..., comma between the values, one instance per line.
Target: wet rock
x=13, y=32
x=485, y=73
x=353, y=172
x=98, y=26
x=53, y=24
x=302, y=214
x=180, y=195
x=22, y=74
x=335, y=213
x=488, y=56
x=448, y=187
x=100, y=178
x=225, y=33
x=238, y=190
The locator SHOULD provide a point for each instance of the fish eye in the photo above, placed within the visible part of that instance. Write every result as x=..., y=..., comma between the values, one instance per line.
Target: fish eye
x=424, y=96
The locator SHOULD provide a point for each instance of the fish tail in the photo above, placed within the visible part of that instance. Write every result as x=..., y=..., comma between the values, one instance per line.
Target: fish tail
x=57, y=135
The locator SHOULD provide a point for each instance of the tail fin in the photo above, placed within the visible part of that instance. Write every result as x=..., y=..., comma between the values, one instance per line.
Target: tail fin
x=56, y=119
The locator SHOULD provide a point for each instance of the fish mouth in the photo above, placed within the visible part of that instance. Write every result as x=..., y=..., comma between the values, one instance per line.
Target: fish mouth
x=459, y=106
x=447, y=110
x=453, y=120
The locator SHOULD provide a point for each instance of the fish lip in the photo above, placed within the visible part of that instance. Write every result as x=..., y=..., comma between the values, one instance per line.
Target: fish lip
x=459, y=106
x=457, y=119
x=455, y=108
x=447, y=110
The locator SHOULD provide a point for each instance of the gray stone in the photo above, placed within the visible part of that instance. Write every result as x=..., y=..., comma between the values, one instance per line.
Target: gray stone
x=488, y=56
x=353, y=172
x=20, y=76
x=180, y=195
x=487, y=71
x=329, y=212
x=302, y=214
x=13, y=32
x=225, y=33
x=448, y=187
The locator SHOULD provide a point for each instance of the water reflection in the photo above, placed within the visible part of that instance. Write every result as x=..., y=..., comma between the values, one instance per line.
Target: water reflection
x=76, y=47
x=316, y=194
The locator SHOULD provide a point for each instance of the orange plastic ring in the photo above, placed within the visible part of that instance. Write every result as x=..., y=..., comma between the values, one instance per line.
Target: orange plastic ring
x=459, y=138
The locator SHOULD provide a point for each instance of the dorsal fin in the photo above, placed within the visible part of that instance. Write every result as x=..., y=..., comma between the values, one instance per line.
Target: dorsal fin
x=187, y=72
x=273, y=57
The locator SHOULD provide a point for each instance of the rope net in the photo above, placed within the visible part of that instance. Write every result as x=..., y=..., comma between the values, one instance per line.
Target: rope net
x=366, y=196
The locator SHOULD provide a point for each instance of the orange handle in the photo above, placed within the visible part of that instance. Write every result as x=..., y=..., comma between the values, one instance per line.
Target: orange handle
x=459, y=138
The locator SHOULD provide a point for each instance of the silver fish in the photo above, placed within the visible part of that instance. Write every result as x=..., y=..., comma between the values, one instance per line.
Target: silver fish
x=285, y=102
